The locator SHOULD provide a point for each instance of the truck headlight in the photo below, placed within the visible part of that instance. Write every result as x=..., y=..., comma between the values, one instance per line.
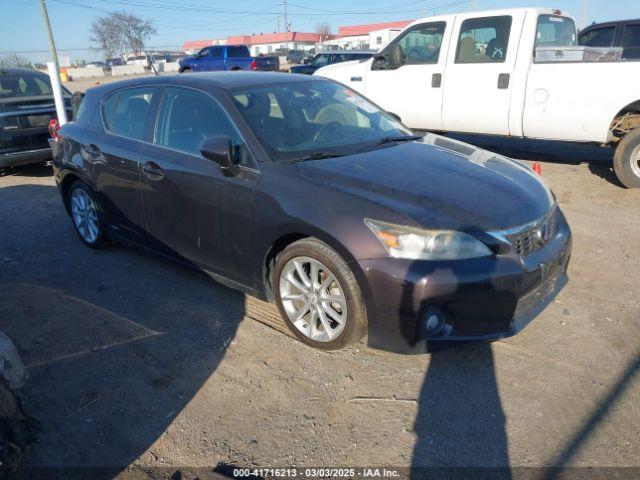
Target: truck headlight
x=418, y=244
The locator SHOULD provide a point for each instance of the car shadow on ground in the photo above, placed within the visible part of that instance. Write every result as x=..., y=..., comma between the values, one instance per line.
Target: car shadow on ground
x=599, y=159
x=460, y=425
x=117, y=341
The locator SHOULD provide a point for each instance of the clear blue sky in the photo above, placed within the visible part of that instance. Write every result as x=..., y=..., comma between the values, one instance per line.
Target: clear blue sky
x=22, y=28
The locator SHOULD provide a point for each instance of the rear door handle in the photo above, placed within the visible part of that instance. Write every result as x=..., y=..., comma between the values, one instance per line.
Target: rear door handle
x=503, y=81
x=152, y=171
x=436, y=80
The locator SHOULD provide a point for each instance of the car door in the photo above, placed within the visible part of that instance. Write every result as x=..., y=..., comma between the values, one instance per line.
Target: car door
x=192, y=210
x=406, y=77
x=112, y=156
x=478, y=82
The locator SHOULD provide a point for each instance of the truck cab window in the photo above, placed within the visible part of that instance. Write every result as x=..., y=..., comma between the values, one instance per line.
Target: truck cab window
x=484, y=40
x=555, y=31
x=598, y=37
x=631, y=42
x=419, y=45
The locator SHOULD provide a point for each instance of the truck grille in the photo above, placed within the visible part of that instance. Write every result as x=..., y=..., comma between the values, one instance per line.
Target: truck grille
x=535, y=236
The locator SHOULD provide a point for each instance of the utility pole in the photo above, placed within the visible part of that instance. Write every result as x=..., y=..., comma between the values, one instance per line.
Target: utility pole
x=54, y=70
x=286, y=28
x=52, y=43
x=584, y=13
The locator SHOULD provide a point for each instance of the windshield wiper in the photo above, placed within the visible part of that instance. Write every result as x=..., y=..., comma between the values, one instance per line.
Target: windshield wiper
x=396, y=139
x=319, y=156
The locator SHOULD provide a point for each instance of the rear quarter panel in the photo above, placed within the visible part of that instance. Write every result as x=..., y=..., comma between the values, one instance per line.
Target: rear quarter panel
x=578, y=101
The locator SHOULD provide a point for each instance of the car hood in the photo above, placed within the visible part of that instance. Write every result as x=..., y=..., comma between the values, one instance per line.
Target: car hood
x=439, y=183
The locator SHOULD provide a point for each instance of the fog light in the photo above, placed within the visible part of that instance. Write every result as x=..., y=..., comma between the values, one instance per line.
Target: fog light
x=434, y=321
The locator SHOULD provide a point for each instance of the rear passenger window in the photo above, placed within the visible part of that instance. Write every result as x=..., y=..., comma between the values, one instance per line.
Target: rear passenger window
x=126, y=112
x=631, y=42
x=484, y=40
x=187, y=117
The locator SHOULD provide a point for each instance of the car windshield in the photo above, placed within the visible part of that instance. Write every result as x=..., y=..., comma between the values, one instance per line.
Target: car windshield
x=298, y=120
x=24, y=85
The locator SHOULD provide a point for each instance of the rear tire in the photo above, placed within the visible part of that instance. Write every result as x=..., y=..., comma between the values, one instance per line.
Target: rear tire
x=87, y=215
x=327, y=325
x=626, y=162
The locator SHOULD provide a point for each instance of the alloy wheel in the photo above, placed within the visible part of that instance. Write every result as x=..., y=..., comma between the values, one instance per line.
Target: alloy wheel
x=313, y=299
x=85, y=215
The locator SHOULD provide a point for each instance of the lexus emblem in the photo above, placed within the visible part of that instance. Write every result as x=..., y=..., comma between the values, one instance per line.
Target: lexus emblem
x=544, y=232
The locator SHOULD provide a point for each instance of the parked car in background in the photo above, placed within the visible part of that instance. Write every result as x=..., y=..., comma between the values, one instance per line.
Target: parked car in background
x=623, y=33
x=115, y=62
x=329, y=58
x=299, y=190
x=295, y=57
x=96, y=65
x=26, y=107
x=137, y=60
x=227, y=57
x=513, y=72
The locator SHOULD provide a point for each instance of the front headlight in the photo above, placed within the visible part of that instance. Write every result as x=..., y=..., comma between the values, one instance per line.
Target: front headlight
x=415, y=243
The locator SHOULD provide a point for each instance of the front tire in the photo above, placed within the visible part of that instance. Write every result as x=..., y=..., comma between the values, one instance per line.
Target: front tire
x=626, y=162
x=86, y=215
x=185, y=70
x=318, y=296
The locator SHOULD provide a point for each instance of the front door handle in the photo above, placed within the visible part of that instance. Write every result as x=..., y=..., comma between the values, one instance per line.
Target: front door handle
x=503, y=81
x=152, y=171
x=436, y=80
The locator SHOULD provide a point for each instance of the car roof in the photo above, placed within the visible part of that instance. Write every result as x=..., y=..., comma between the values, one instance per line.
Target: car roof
x=19, y=71
x=610, y=23
x=225, y=80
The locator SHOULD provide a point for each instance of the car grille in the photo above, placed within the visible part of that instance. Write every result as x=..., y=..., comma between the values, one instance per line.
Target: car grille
x=535, y=236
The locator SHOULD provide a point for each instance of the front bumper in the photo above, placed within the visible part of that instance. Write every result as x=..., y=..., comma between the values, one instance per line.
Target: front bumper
x=482, y=299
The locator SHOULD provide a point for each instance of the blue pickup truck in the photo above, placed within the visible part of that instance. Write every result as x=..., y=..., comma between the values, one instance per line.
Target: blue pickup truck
x=227, y=57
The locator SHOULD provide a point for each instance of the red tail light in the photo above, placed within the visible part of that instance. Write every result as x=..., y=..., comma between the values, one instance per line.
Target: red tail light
x=254, y=65
x=54, y=126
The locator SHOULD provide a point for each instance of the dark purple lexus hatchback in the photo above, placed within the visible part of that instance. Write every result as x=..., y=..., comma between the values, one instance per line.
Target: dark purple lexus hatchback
x=300, y=191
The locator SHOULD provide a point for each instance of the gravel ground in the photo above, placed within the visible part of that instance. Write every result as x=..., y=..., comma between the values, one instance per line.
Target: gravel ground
x=136, y=361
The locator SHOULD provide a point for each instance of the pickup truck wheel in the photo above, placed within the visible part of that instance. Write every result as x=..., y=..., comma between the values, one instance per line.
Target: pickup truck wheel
x=626, y=162
x=318, y=295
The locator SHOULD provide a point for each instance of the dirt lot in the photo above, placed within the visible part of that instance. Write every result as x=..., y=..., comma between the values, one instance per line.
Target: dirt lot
x=136, y=361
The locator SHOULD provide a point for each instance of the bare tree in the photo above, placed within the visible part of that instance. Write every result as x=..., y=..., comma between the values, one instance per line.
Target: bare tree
x=117, y=31
x=14, y=60
x=134, y=30
x=324, y=30
x=106, y=35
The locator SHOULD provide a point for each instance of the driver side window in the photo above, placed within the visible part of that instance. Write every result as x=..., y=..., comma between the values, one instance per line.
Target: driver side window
x=187, y=117
x=420, y=45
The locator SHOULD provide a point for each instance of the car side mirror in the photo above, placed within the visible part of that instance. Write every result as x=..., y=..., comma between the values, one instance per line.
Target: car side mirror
x=219, y=149
x=395, y=55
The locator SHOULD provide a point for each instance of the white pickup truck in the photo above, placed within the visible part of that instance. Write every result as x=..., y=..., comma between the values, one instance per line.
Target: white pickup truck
x=512, y=72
